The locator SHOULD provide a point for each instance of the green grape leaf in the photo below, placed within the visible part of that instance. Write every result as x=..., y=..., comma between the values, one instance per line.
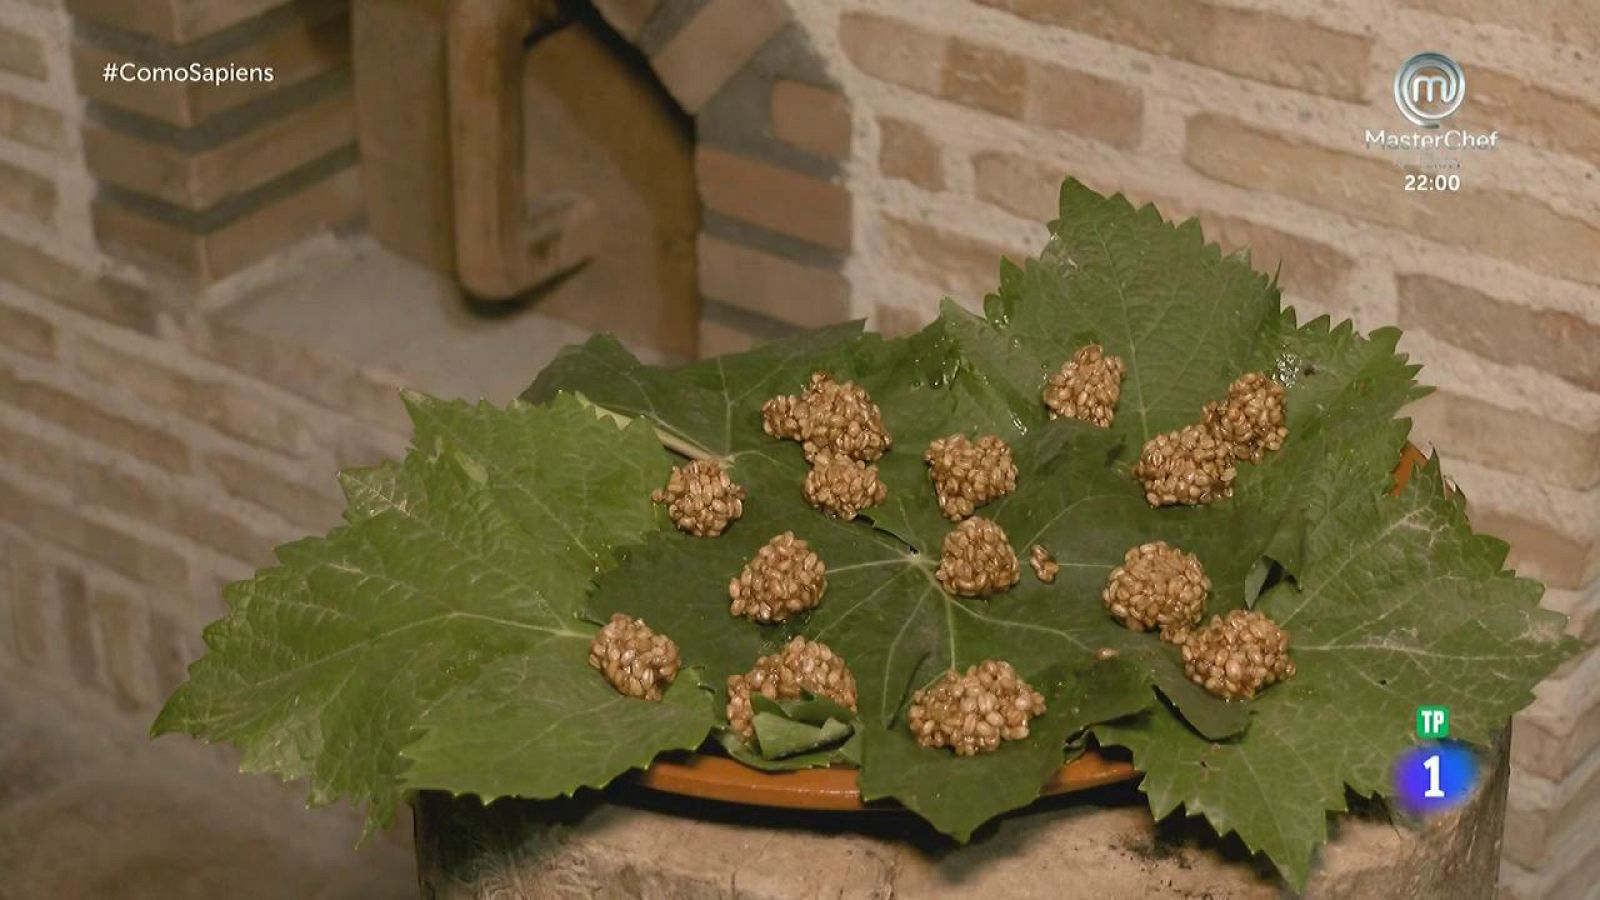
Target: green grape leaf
x=1400, y=605
x=1181, y=315
x=791, y=734
x=438, y=639
x=957, y=794
x=542, y=724
x=1187, y=320
x=847, y=753
x=778, y=736
x=884, y=611
x=809, y=708
x=466, y=562
x=707, y=407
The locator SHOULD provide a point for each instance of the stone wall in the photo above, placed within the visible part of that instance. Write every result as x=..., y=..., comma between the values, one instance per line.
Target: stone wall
x=151, y=449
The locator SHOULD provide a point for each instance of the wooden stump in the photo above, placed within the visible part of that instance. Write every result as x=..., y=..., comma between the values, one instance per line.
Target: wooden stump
x=631, y=843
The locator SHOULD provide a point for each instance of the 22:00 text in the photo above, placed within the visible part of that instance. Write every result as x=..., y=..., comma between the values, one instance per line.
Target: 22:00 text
x=1442, y=182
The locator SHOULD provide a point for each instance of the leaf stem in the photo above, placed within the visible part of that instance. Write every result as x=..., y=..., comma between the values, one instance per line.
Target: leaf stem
x=669, y=439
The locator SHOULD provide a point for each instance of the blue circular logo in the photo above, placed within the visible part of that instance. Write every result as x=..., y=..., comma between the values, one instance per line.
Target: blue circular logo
x=1433, y=778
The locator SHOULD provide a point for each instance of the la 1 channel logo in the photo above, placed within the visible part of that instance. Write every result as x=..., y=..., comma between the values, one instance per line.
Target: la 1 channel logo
x=1438, y=775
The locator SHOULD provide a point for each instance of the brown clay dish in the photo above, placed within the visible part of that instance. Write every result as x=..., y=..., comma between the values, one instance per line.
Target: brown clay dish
x=721, y=778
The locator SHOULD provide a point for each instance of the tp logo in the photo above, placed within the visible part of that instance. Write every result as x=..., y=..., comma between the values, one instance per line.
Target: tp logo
x=1429, y=87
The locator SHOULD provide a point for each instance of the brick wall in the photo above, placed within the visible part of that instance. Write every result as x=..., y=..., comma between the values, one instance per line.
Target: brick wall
x=199, y=180
x=773, y=133
x=146, y=463
x=149, y=453
x=1249, y=114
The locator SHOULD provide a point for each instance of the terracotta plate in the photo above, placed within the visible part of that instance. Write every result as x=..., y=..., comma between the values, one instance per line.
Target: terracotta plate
x=721, y=778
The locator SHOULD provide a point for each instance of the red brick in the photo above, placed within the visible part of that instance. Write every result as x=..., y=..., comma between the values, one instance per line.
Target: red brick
x=23, y=54
x=626, y=16
x=1581, y=607
x=814, y=119
x=1259, y=45
x=306, y=506
x=906, y=151
x=1530, y=113
x=30, y=609
x=151, y=382
x=31, y=124
x=24, y=331
x=1304, y=266
x=894, y=51
x=205, y=257
x=1509, y=440
x=197, y=180
x=751, y=279
x=35, y=455
x=371, y=395
x=1539, y=551
x=714, y=44
x=773, y=198
x=1563, y=21
x=968, y=268
x=76, y=414
x=58, y=281
x=993, y=79
x=984, y=77
x=1556, y=342
x=230, y=409
x=1307, y=267
x=1095, y=107
x=1019, y=184
x=170, y=21
x=1031, y=188
x=140, y=560
x=1552, y=747
x=248, y=416
x=26, y=193
x=173, y=510
x=119, y=626
x=1498, y=223
x=314, y=46
x=171, y=649
x=1578, y=872
x=72, y=595
x=356, y=444
x=1536, y=834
